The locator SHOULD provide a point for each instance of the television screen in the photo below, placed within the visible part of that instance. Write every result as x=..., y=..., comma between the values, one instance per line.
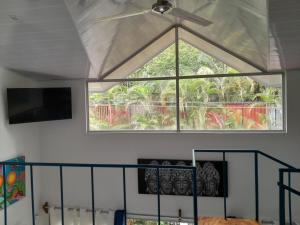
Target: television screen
x=27, y=105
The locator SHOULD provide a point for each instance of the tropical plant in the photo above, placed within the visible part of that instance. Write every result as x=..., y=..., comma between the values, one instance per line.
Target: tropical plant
x=202, y=102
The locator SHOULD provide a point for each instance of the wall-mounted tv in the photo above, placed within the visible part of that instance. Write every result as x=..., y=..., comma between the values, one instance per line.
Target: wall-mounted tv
x=27, y=105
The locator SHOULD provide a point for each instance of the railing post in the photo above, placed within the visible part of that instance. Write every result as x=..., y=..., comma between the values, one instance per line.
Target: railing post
x=194, y=157
x=4, y=194
x=158, y=195
x=256, y=187
x=195, y=203
x=224, y=185
x=32, y=196
x=124, y=196
x=290, y=199
x=281, y=199
x=93, y=195
x=61, y=194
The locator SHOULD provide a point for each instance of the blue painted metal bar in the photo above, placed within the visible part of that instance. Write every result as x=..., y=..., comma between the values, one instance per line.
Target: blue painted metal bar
x=147, y=166
x=256, y=153
x=4, y=194
x=158, y=195
x=80, y=165
x=61, y=165
x=61, y=195
x=256, y=187
x=32, y=196
x=226, y=150
x=291, y=170
x=245, y=151
x=124, y=196
x=292, y=190
x=195, y=197
x=282, y=189
x=141, y=166
x=93, y=195
x=281, y=199
x=290, y=199
x=224, y=185
x=276, y=160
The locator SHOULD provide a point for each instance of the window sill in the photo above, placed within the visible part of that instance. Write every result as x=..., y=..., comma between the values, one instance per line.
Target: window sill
x=89, y=132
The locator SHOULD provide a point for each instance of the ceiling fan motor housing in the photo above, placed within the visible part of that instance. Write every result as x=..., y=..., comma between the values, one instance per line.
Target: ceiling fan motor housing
x=161, y=6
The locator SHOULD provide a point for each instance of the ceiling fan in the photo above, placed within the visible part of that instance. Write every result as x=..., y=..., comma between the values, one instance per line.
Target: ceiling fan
x=161, y=7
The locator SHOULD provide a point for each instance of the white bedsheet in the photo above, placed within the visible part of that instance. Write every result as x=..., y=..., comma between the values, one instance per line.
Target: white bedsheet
x=81, y=217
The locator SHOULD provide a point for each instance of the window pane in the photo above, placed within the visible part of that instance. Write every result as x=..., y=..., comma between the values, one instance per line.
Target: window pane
x=146, y=105
x=193, y=61
x=231, y=103
x=163, y=65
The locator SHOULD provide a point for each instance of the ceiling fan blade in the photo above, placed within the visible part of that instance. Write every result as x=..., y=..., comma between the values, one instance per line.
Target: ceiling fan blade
x=190, y=17
x=120, y=16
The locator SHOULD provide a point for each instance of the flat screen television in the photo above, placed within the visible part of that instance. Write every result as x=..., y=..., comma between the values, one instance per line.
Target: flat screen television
x=26, y=105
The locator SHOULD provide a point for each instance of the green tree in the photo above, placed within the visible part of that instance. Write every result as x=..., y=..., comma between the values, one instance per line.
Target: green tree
x=198, y=98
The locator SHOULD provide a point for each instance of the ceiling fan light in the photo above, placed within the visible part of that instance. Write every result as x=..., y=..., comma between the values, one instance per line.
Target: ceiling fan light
x=161, y=6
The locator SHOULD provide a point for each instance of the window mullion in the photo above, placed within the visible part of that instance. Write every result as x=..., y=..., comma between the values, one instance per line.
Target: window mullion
x=177, y=78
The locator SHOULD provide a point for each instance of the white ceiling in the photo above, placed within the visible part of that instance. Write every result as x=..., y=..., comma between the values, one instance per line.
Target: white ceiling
x=285, y=28
x=39, y=36
x=59, y=38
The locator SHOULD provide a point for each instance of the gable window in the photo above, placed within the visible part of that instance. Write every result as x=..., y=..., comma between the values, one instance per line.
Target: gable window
x=183, y=88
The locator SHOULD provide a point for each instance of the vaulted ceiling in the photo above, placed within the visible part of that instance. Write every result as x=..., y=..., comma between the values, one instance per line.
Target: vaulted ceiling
x=55, y=38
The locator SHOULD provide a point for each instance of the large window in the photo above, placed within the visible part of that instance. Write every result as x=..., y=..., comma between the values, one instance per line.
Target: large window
x=200, y=94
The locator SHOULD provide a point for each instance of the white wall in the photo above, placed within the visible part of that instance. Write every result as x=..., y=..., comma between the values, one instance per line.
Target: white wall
x=67, y=141
x=16, y=140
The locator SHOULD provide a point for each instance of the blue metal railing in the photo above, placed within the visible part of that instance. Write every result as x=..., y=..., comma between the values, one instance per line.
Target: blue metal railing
x=282, y=187
x=282, y=190
x=61, y=166
x=256, y=154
